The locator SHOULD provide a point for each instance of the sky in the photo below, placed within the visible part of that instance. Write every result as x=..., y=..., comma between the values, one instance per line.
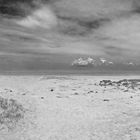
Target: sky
x=57, y=32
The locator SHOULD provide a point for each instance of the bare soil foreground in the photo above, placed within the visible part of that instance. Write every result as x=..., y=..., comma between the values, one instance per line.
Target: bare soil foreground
x=69, y=108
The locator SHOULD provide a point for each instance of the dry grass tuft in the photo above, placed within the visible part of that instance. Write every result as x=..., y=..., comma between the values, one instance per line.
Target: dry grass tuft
x=11, y=112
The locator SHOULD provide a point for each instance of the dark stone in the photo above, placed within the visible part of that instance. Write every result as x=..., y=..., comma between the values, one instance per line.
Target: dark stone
x=126, y=90
x=58, y=96
x=106, y=100
x=52, y=90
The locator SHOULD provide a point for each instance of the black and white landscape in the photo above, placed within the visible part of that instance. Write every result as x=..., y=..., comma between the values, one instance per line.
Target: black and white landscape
x=69, y=69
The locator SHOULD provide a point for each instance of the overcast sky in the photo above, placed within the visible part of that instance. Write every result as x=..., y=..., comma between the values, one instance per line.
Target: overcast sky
x=60, y=31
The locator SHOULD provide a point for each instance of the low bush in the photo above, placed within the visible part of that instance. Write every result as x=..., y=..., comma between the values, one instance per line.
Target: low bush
x=11, y=112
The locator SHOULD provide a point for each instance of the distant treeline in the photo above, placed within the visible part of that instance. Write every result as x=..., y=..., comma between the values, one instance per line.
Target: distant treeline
x=19, y=7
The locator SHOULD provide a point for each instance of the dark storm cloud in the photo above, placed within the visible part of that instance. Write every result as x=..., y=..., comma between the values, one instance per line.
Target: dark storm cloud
x=80, y=26
x=20, y=8
x=93, y=24
x=13, y=7
x=136, y=6
x=136, y=10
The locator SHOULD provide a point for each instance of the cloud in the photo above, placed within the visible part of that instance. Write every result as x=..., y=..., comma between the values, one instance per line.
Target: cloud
x=92, y=8
x=114, y=51
x=116, y=38
x=120, y=37
x=20, y=8
x=43, y=17
x=79, y=26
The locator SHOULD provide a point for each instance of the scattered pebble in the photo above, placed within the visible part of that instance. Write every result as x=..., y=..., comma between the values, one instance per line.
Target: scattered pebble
x=52, y=90
x=76, y=93
x=58, y=96
x=126, y=90
x=74, y=89
x=106, y=100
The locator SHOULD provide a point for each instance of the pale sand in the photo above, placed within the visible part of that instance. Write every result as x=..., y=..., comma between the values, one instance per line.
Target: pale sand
x=71, y=108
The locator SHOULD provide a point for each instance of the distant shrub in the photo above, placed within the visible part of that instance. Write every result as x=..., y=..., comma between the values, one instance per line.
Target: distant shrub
x=132, y=84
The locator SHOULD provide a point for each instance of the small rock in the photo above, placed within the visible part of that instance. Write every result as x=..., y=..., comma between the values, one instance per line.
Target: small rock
x=42, y=97
x=90, y=91
x=52, y=90
x=76, y=93
x=58, y=96
x=106, y=100
x=74, y=89
x=126, y=90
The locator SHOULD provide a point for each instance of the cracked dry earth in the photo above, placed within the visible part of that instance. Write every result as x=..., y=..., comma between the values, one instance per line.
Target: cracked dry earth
x=67, y=108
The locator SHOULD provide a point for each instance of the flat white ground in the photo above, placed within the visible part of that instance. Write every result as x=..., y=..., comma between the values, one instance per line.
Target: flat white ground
x=71, y=108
